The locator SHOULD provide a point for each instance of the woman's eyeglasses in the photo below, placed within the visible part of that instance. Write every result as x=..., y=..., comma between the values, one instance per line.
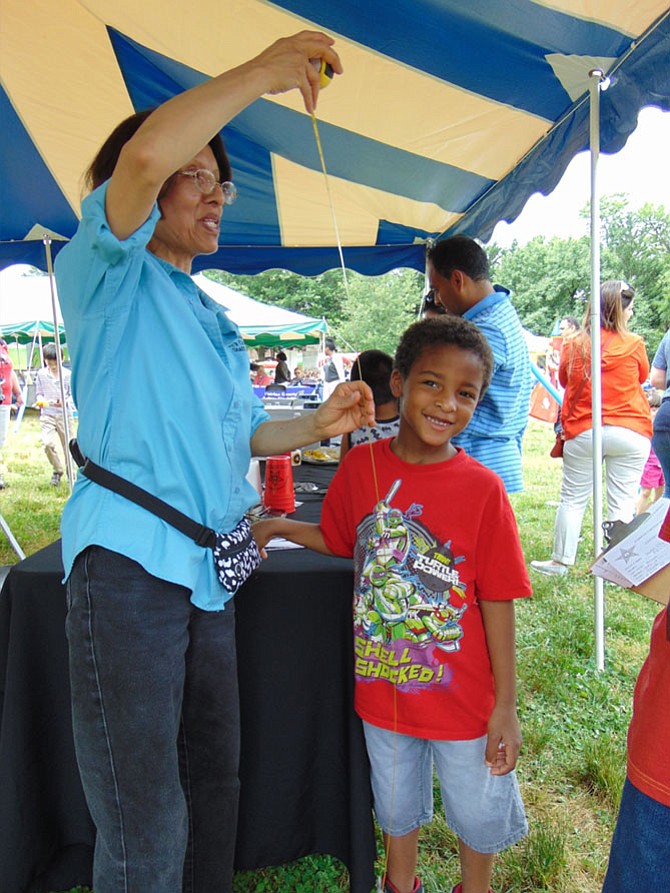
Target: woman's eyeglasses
x=206, y=182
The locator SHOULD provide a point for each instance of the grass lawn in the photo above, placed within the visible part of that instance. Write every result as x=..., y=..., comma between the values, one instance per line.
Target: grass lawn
x=574, y=719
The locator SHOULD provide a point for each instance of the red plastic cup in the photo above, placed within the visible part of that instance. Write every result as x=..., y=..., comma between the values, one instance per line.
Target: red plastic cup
x=279, y=495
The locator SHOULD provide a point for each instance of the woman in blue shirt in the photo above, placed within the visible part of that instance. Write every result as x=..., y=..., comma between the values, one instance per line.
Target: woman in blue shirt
x=161, y=380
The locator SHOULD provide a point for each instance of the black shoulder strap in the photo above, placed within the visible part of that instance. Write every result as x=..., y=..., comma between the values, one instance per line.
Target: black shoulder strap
x=203, y=536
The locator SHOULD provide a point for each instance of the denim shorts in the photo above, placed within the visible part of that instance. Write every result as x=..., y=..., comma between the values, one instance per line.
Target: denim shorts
x=639, y=854
x=484, y=811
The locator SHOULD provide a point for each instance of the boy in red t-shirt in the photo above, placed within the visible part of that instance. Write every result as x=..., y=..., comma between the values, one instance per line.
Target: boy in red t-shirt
x=437, y=564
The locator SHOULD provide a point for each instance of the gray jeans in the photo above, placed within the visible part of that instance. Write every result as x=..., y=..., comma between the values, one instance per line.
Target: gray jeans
x=155, y=712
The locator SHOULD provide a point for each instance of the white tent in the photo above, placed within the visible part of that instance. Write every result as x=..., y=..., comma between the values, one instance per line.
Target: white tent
x=246, y=311
x=25, y=294
x=263, y=324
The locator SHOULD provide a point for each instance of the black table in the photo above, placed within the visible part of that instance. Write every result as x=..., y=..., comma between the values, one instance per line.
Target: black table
x=304, y=769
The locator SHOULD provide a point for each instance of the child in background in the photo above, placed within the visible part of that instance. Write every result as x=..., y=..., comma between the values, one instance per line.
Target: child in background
x=652, y=482
x=374, y=367
x=437, y=566
x=48, y=398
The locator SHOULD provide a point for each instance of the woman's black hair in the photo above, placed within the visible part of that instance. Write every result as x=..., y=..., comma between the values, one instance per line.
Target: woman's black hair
x=102, y=166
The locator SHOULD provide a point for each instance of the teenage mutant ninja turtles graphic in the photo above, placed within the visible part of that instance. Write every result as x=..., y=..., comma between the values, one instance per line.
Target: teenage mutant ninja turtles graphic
x=408, y=587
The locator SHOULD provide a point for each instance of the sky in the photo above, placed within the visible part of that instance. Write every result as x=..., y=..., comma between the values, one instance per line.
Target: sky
x=640, y=169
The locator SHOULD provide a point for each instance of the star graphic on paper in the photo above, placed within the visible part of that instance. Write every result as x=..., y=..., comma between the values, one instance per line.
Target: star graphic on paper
x=628, y=554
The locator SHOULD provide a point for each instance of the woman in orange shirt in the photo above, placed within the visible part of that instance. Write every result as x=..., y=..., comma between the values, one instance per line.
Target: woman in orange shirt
x=626, y=422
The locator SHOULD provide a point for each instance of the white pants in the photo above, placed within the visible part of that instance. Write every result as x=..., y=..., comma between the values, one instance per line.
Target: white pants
x=624, y=454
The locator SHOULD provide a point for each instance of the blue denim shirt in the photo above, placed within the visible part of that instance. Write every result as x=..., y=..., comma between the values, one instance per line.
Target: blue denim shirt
x=160, y=377
x=495, y=432
x=662, y=361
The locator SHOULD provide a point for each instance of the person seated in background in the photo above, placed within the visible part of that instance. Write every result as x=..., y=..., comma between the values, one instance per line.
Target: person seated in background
x=282, y=372
x=259, y=377
x=374, y=367
x=298, y=377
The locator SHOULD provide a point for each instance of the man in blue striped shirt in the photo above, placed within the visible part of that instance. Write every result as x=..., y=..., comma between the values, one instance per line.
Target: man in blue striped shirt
x=458, y=269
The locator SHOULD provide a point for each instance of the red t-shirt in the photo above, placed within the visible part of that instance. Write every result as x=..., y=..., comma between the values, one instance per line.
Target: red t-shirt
x=649, y=732
x=428, y=543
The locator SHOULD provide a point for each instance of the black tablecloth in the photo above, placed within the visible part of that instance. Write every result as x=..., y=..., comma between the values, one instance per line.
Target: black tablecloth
x=304, y=770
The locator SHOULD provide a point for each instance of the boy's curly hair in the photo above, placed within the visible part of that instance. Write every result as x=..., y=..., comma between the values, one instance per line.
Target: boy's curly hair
x=443, y=331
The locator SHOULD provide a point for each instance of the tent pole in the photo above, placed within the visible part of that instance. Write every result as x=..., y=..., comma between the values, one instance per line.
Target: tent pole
x=596, y=79
x=63, y=402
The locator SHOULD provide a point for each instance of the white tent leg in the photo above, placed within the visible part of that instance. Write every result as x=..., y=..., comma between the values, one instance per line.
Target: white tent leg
x=596, y=82
x=4, y=526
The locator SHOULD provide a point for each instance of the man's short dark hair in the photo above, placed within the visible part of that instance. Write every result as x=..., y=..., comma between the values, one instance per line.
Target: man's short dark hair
x=442, y=331
x=374, y=367
x=459, y=253
x=49, y=352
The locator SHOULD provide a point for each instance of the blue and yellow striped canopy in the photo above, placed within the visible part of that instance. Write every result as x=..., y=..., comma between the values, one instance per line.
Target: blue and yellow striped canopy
x=449, y=114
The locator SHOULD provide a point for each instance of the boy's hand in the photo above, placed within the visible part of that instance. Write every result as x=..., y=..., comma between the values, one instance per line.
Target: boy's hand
x=263, y=532
x=350, y=406
x=504, y=741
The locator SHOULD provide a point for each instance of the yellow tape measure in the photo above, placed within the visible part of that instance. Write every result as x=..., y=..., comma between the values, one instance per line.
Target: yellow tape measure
x=325, y=70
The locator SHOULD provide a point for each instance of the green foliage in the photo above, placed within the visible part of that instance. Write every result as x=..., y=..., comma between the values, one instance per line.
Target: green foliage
x=378, y=309
x=551, y=278
x=370, y=312
x=538, y=862
x=319, y=296
x=640, y=240
x=29, y=504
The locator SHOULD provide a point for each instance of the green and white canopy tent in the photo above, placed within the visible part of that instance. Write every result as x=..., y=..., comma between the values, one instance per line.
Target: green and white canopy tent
x=263, y=325
x=30, y=332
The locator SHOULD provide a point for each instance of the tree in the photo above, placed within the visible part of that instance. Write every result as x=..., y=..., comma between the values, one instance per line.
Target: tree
x=374, y=314
x=378, y=309
x=639, y=240
x=548, y=279
x=317, y=296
